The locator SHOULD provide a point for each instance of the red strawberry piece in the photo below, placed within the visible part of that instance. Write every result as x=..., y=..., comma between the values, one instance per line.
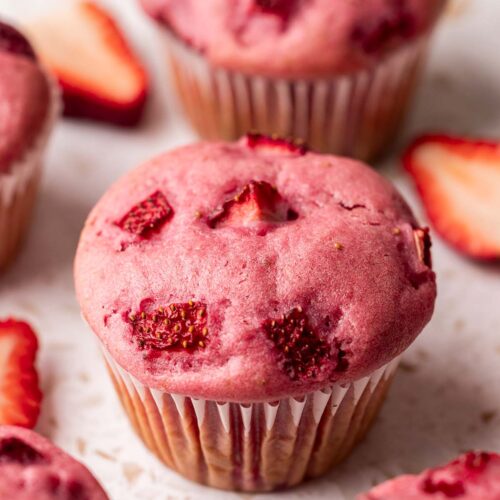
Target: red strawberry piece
x=101, y=78
x=147, y=216
x=459, y=183
x=14, y=42
x=449, y=488
x=302, y=349
x=466, y=467
x=13, y=450
x=257, y=201
x=273, y=144
x=281, y=8
x=375, y=35
x=20, y=396
x=475, y=462
x=173, y=327
x=423, y=244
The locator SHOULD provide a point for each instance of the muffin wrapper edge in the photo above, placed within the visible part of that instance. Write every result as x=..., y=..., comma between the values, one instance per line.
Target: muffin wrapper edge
x=355, y=114
x=19, y=187
x=252, y=447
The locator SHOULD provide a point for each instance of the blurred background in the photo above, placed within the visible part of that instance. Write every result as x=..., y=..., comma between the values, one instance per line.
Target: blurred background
x=446, y=398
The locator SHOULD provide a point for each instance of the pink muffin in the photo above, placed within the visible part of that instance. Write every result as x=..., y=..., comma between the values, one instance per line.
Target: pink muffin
x=252, y=300
x=473, y=476
x=27, y=111
x=338, y=74
x=32, y=468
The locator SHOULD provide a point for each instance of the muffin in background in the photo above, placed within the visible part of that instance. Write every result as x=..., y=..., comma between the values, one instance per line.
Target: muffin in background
x=340, y=75
x=28, y=107
x=472, y=476
x=252, y=300
x=32, y=468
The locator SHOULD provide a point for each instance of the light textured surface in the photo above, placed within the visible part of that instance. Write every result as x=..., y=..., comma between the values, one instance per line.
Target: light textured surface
x=446, y=397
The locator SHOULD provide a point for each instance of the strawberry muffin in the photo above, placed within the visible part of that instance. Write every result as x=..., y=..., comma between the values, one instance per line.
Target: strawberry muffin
x=473, y=476
x=32, y=468
x=338, y=74
x=27, y=111
x=252, y=300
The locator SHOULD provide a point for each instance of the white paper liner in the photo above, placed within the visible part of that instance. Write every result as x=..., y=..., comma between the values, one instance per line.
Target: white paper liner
x=19, y=186
x=252, y=447
x=354, y=115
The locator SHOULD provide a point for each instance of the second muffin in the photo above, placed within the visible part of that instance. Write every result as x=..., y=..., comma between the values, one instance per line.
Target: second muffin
x=252, y=300
x=338, y=74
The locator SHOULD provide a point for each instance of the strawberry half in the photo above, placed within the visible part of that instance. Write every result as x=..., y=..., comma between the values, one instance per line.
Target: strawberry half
x=20, y=396
x=100, y=77
x=459, y=183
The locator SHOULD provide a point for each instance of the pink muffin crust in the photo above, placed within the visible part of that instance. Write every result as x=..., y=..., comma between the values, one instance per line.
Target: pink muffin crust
x=32, y=468
x=25, y=99
x=472, y=476
x=334, y=250
x=295, y=38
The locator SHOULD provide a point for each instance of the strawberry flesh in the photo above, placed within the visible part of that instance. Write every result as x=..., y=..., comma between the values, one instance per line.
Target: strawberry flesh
x=466, y=467
x=20, y=396
x=450, y=489
x=13, y=450
x=148, y=216
x=475, y=462
x=257, y=201
x=281, y=8
x=100, y=76
x=459, y=183
x=180, y=326
x=14, y=42
x=277, y=145
x=375, y=35
x=423, y=244
x=302, y=349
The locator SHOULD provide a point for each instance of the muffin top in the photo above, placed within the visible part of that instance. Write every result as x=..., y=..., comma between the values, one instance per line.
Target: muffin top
x=253, y=270
x=24, y=96
x=473, y=476
x=295, y=38
x=32, y=468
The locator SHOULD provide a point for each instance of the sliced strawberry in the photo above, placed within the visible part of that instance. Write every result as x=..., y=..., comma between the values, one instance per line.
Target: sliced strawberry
x=302, y=349
x=257, y=201
x=274, y=145
x=100, y=77
x=147, y=216
x=173, y=327
x=459, y=183
x=20, y=396
x=14, y=42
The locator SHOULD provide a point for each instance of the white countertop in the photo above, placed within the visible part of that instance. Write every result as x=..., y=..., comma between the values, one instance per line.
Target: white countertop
x=446, y=397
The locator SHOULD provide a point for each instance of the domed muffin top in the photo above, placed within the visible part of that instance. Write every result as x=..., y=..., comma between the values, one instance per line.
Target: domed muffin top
x=472, y=476
x=253, y=270
x=31, y=467
x=295, y=38
x=24, y=96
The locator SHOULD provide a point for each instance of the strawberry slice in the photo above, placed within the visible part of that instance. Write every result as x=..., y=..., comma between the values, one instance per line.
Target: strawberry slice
x=274, y=144
x=20, y=396
x=100, y=77
x=459, y=183
x=257, y=201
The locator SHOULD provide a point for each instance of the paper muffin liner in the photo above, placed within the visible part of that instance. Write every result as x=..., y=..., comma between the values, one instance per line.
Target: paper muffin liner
x=354, y=115
x=252, y=447
x=19, y=186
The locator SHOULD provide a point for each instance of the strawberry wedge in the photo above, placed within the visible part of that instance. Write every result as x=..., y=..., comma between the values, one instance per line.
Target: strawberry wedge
x=20, y=396
x=100, y=76
x=459, y=183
